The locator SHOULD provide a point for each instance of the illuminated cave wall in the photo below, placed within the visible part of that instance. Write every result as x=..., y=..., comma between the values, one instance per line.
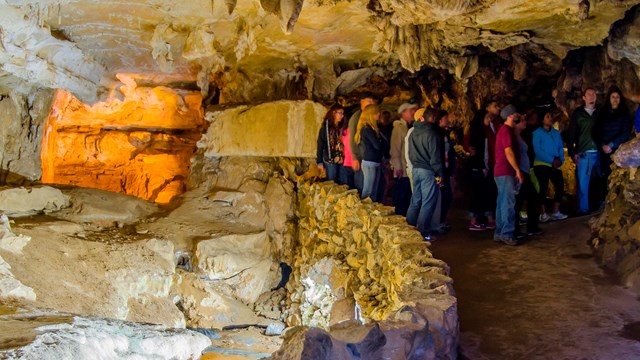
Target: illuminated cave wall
x=140, y=146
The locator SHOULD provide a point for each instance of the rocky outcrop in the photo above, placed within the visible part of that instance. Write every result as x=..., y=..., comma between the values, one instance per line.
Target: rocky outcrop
x=23, y=118
x=275, y=129
x=140, y=145
x=348, y=249
x=617, y=230
x=269, y=50
x=49, y=335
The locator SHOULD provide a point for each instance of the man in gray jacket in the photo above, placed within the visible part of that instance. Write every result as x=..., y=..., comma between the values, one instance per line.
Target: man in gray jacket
x=426, y=156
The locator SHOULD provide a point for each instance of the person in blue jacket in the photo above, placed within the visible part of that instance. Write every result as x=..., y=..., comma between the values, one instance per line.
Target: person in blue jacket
x=549, y=157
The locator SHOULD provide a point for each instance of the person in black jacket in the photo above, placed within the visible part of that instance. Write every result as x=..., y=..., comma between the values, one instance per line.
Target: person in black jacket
x=613, y=128
x=373, y=147
x=330, y=149
x=449, y=163
x=425, y=153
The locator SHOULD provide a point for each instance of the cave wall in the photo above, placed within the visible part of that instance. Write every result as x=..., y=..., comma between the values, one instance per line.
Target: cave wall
x=140, y=145
x=23, y=120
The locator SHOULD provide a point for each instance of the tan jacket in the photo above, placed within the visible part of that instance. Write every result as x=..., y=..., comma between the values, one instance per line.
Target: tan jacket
x=398, y=135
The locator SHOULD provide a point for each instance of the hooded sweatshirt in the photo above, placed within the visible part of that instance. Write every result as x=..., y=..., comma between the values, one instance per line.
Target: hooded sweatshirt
x=425, y=148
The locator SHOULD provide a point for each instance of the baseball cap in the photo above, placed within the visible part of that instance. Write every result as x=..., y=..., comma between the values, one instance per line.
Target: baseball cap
x=406, y=106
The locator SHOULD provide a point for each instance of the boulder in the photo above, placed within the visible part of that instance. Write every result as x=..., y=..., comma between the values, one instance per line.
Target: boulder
x=22, y=201
x=243, y=261
x=93, y=338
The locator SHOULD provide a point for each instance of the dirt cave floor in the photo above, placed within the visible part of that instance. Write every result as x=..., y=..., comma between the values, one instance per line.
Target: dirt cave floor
x=544, y=299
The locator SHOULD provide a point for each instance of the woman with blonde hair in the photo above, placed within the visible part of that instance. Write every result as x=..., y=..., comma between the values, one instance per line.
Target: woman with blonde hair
x=373, y=145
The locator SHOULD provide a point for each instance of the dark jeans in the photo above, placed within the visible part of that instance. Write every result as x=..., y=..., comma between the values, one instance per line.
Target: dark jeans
x=346, y=177
x=402, y=195
x=529, y=194
x=358, y=180
x=546, y=173
x=481, y=192
x=447, y=197
x=333, y=172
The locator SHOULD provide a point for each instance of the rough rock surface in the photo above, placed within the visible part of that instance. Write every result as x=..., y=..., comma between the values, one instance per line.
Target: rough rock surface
x=375, y=258
x=23, y=121
x=227, y=47
x=292, y=128
x=58, y=336
x=16, y=202
x=617, y=230
x=140, y=145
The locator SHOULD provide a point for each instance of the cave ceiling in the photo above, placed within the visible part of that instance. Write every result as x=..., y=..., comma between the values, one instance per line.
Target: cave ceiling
x=81, y=45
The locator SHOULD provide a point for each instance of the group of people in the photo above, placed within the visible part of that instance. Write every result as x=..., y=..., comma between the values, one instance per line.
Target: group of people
x=512, y=159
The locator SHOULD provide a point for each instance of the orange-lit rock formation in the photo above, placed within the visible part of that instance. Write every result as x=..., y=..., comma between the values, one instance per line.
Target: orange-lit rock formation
x=139, y=146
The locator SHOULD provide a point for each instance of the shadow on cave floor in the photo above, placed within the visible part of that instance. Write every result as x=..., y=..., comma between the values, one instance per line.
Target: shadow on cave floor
x=545, y=299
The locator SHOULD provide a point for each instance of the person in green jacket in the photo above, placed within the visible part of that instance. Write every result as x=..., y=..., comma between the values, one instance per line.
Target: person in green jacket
x=582, y=148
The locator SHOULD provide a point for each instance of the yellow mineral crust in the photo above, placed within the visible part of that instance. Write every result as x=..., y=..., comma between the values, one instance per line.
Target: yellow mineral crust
x=385, y=261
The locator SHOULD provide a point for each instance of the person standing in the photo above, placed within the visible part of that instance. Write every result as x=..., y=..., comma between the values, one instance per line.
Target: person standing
x=356, y=154
x=373, y=146
x=527, y=191
x=612, y=130
x=424, y=146
x=450, y=163
x=508, y=176
x=330, y=149
x=549, y=157
x=582, y=148
x=402, y=187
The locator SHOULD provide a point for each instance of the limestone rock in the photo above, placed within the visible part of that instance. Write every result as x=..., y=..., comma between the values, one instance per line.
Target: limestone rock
x=206, y=306
x=10, y=241
x=11, y=288
x=23, y=119
x=243, y=261
x=93, y=338
x=387, y=340
x=138, y=146
x=18, y=202
x=624, y=41
x=105, y=208
x=292, y=127
x=628, y=154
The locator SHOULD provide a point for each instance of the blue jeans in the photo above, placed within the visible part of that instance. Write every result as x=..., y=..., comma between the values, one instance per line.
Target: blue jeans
x=371, y=172
x=588, y=163
x=346, y=177
x=333, y=172
x=505, y=207
x=423, y=200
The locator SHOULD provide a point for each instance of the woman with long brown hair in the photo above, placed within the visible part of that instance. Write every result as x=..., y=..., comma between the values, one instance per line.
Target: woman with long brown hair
x=373, y=146
x=330, y=149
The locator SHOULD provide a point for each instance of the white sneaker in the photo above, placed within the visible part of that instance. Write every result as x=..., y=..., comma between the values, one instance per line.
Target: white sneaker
x=558, y=216
x=544, y=218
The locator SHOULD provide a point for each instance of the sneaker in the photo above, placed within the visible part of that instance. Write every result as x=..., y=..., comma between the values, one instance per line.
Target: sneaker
x=491, y=225
x=519, y=235
x=544, y=218
x=477, y=227
x=558, y=216
x=510, y=241
x=534, y=232
x=429, y=237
